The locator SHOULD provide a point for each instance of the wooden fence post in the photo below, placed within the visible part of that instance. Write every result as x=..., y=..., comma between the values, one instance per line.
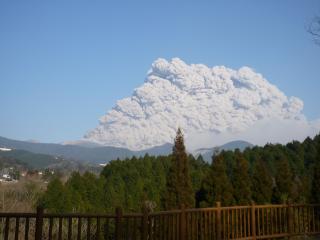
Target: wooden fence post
x=118, y=223
x=183, y=229
x=253, y=220
x=218, y=220
x=6, y=229
x=39, y=223
x=144, y=223
x=289, y=219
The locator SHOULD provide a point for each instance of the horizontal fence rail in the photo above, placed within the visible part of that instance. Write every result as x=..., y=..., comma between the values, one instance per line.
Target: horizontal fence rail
x=237, y=222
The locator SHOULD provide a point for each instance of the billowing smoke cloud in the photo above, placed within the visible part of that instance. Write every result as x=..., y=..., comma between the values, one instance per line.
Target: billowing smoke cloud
x=212, y=106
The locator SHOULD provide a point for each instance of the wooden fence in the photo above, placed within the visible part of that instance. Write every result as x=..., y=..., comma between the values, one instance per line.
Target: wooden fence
x=238, y=222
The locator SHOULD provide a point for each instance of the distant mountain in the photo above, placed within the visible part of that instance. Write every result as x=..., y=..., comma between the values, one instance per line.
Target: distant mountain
x=29, y=159
x=85, y=154
x=90, y=154
x=82, y=143
x=208, y=152
x=164, y=149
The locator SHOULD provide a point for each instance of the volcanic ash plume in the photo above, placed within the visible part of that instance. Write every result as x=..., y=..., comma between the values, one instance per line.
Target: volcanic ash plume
x=217, y=102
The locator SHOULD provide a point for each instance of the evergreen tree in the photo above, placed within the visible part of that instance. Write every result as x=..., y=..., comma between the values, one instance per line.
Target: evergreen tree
x=56, y=199
x=241, y=180
x=217, y=185
x=261, y=183
x=315, y=187
x=198, y=171
x=310, y=152
x=75, y=186
x=94, y=194
x=283, y=179
x=86, y=192
x=300, y=190
x=179, y=189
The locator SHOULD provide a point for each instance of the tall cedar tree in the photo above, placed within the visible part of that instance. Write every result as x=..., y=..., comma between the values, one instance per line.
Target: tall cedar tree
x=217, y=185
x=315, y=188
x=241, y=180
x=284, y=180
x=179, y=188
x=56, y=199
x=261, y=183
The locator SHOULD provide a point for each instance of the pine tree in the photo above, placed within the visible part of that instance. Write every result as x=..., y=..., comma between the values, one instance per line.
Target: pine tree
x=75, y=186
x=261, y=183
x=56, y=199
x=179, y=189
x=310, y=152
x=301, y=187
x=217, y=185
x=283, y=178
x=315, y=187
x=241, y=180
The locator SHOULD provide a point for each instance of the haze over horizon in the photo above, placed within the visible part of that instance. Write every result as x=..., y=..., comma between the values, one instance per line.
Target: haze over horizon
x=64, y=65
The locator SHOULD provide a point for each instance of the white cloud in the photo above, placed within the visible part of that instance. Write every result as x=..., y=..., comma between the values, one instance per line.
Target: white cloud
x=211, y=105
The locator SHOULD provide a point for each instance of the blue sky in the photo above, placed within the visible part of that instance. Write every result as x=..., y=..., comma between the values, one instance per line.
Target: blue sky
x=63, y=64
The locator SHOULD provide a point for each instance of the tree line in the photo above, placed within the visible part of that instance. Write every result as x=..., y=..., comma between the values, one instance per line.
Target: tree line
x=273, y=173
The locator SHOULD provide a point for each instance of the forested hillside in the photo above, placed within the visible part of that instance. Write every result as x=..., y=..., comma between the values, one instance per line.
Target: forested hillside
x=269, y=174
x=31, y=160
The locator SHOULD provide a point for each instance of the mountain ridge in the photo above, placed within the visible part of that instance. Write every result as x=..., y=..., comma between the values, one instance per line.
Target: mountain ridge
x=93, y=154
x=207, y=153
x=81, y=153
